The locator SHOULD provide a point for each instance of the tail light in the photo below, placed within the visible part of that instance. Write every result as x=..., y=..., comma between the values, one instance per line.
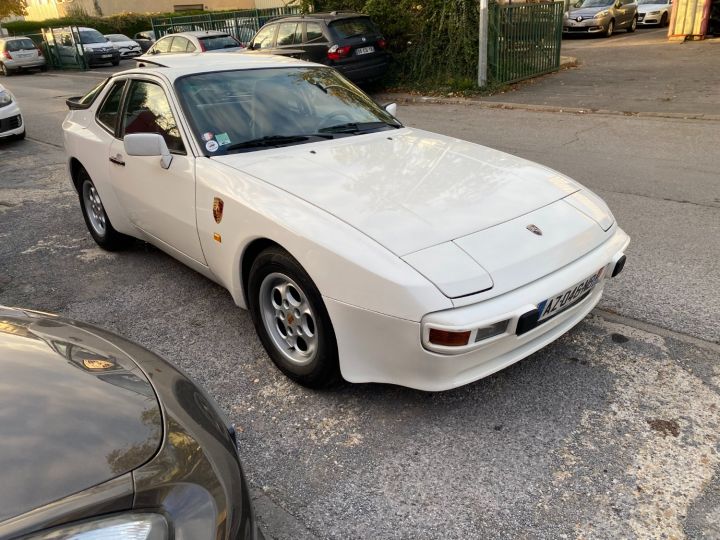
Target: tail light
x=7, y=55
x=39, y=50
x=336, y=53
x=202, y=45
x=382, y=43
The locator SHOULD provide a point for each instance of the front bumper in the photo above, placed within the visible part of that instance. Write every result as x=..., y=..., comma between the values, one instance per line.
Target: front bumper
x=93, y=57
x=130, y=53
x=645, y=19
x=586, y=26
x=379, y=348
x=11, y=121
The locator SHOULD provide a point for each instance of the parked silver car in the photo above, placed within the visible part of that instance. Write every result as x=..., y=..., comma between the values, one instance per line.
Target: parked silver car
x=600, y=17
x=18, y=53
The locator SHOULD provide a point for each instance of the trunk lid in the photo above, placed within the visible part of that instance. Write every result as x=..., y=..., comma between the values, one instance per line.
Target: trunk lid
x=408, y=189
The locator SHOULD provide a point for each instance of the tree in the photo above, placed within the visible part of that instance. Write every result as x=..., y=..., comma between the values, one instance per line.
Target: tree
x=12, y=7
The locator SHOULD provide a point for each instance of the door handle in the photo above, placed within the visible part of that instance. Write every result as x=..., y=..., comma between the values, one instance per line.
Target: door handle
x=117, y=160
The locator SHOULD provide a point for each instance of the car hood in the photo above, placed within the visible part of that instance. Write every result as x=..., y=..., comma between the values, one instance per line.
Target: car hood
x=408, y=189
x=586, y=13
x=75, y=411
x=646, y=8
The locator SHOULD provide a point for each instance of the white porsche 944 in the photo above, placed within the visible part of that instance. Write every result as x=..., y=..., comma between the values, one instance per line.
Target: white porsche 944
x=362, y=248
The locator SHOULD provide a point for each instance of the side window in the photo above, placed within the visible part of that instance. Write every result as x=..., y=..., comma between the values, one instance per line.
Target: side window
x=314, y=33
x=286, y=33
x=190, y=47
x=108, y=112
x=263, y=39
x=163, y=45
x=179, y=45
x=148, y=111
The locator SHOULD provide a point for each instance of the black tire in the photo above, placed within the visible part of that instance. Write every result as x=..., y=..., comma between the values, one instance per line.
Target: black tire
x=116, y=62
x=323, y=369
x=633, y=26
x=610, y=29
x=44, y=68
x=664, y=20
x=4, y=71
x=108, y=239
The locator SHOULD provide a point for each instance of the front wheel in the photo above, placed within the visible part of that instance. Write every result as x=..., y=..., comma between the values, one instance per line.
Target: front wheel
x=116, y=62
x=610, y=29
x=291, y=320
x=633, y=26
x=664, y=20
x=96, y=219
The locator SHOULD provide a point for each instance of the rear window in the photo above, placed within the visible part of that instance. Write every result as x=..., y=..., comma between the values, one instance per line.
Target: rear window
x=20, y=45
x=348, y=28
x=214, y=43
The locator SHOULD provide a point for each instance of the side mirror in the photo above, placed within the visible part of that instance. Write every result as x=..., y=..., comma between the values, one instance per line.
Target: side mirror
x=391, y=108
x=148, y=144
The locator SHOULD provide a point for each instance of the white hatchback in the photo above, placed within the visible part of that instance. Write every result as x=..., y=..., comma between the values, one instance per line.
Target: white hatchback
x=364, y=249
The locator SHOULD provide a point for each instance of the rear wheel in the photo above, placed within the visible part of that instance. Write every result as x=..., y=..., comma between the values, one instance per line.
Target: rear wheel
x=44, y=68
x=95, y=217
x=4, y=70
x=633, y=25
x=610, y=29
x=291, y=320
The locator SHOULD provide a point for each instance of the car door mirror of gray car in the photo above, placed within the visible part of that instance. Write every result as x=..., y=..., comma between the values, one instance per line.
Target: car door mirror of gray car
x=148, y=144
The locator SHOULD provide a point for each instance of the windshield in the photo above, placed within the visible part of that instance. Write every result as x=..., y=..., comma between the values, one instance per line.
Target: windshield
x=117, y=38
x=655, y=2
x=214, y=43
x=247, y=110
x=20, y=45
x=91, y=36
x=348, y=28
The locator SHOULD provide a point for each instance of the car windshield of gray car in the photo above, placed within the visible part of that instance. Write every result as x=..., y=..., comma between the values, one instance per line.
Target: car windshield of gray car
x=249, y=110
x=91, y=36
x=213, y=43
x=594, y=3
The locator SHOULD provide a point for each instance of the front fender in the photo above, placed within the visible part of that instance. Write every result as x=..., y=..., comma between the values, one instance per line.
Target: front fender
x=345, y=264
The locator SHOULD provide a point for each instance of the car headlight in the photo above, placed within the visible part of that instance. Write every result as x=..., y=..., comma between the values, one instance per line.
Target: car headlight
x=5, y=98
x=602, y=14
x=654, y=13
x=125, y=526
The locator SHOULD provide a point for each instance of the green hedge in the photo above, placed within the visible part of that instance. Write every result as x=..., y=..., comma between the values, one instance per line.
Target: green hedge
x=126, y=23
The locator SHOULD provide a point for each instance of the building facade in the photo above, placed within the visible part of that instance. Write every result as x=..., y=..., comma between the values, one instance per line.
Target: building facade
x=51, y=9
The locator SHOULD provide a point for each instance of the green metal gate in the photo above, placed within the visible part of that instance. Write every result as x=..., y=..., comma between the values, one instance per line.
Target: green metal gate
x=63, y=49
x=523, y=40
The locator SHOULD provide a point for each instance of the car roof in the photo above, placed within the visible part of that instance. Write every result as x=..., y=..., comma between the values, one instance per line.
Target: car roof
x=199, y=33
x=173, y=66
x=329, y=17
x=12, y=38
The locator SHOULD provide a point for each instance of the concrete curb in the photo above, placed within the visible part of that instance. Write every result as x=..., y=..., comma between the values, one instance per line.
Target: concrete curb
x=418, y=99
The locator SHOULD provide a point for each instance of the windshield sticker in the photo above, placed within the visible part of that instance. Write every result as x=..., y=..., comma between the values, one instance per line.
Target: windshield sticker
x=212, y=146
x=208, y=136
x=222, y=139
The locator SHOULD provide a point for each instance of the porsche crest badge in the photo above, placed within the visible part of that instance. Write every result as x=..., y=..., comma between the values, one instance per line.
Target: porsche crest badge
x=218, y=206
x=534, y=229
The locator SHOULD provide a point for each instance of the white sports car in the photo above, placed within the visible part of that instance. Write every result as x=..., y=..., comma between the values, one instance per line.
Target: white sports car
x=363, y=249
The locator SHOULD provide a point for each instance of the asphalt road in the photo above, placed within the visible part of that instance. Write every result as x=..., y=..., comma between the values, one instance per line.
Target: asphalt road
x=610, y=432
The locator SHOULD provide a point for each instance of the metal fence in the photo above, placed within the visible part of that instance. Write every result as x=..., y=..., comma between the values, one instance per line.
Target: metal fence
x=241, y=24
x=523, y=40
x=62, y=48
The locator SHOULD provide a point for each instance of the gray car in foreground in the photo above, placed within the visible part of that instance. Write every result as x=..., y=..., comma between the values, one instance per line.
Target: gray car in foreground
x=100, y=438
x=600, y=17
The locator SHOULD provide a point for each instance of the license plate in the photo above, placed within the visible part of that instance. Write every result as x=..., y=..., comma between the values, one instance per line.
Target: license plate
x=564, y=300
x=365, y=50
x=106, y=56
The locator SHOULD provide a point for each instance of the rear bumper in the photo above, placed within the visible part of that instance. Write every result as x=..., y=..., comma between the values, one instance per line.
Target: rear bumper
x=364, y=71
x=378, y=348
x=24, y=64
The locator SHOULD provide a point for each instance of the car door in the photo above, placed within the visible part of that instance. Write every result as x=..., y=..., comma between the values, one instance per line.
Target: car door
x=315, y=43
x=160, y=202
x=289, y=40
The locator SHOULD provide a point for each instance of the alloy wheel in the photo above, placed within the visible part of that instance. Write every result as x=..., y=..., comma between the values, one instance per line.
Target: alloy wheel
x=94, y=208
x=289, y=319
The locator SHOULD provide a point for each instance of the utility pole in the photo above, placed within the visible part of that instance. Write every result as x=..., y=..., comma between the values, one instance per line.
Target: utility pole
x=483, y=56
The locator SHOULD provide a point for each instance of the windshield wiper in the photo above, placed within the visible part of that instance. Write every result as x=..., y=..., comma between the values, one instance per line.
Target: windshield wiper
x=357, y=127
x=276, y=141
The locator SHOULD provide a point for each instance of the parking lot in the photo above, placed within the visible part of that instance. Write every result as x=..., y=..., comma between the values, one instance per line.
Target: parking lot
x=611, y=432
